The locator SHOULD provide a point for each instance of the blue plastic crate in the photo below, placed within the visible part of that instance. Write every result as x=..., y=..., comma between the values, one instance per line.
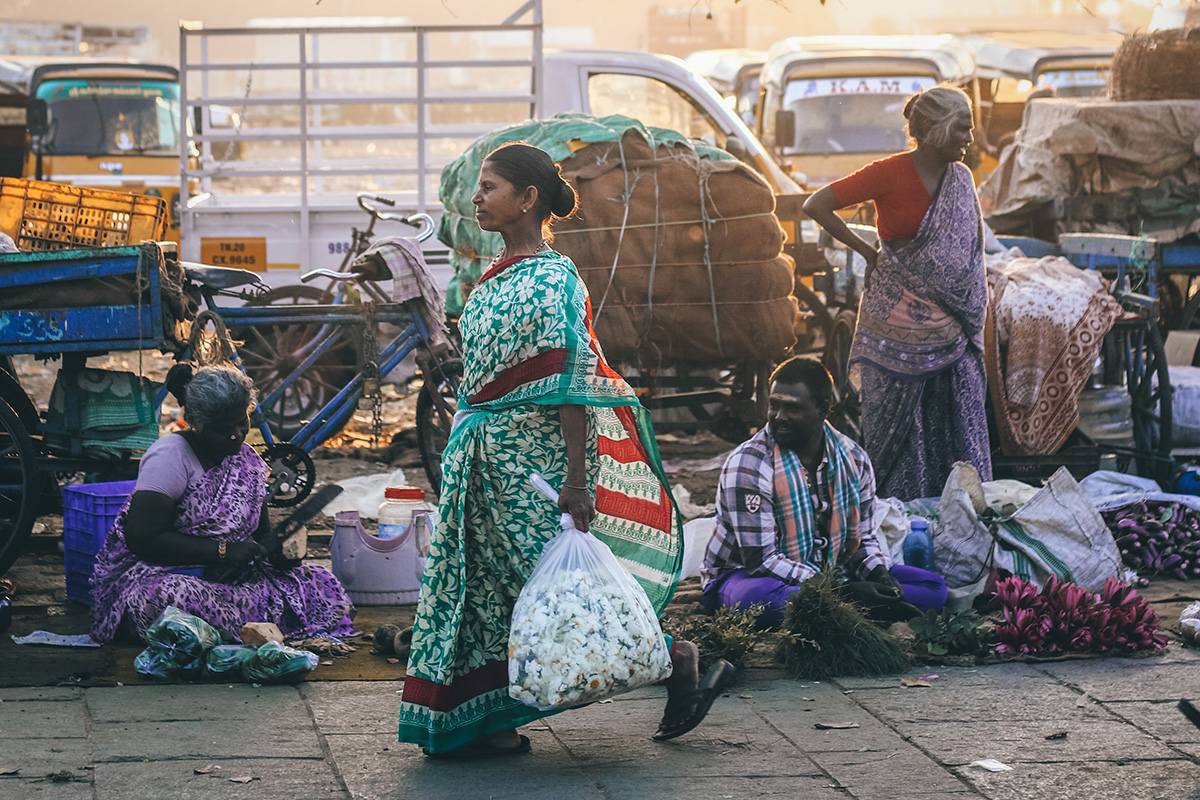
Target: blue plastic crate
x=89, y=510
x=78, y=588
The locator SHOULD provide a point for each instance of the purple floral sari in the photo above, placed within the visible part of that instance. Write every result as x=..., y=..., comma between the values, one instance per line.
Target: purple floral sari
x=224, y=504
x=918, y=349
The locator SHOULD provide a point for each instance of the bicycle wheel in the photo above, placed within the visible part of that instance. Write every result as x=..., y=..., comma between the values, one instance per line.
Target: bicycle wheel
x=20, y=486
x=270, y=354
x=433, y=432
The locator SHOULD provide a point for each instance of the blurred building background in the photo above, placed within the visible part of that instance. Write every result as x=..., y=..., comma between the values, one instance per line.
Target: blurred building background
x=677, y=27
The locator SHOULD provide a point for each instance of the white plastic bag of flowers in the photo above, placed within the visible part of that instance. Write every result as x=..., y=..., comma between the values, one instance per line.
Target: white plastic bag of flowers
x=582, y=628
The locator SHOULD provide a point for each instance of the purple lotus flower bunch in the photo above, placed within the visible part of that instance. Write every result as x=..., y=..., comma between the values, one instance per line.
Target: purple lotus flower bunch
x=1062, y=618
x=1156, y=536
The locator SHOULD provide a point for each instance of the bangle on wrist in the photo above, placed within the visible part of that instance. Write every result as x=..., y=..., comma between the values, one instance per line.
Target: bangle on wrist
x=580, y=488
x=221, y=546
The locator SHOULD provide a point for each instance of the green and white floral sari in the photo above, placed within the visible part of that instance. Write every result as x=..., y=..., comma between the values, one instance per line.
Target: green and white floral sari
x=529, y=347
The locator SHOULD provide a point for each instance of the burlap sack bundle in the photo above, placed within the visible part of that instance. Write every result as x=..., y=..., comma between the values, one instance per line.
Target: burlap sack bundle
x=1163, y=65
x=682, y=255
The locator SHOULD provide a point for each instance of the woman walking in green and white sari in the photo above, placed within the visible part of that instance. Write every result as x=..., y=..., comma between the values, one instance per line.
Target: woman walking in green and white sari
x=536, y=396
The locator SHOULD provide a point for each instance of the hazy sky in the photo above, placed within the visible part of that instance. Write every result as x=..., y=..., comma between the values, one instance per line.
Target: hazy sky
x=623, y=24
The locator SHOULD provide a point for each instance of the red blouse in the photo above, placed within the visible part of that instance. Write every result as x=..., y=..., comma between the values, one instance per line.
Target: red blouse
x=901, y=200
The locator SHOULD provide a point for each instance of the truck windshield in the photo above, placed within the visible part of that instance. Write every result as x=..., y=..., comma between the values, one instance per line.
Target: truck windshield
x=111, y=117
x=849, y=115
x=1075, y=82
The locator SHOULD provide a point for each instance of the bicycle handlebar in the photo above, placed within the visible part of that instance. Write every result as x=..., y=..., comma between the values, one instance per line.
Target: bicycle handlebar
x=329, y=273
x=422, y=221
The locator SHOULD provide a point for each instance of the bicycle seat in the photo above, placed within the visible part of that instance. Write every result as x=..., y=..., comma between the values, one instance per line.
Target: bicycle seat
x=219, y=277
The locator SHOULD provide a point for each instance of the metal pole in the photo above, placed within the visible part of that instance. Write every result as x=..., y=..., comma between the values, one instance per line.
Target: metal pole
x=304, y=245
x=422, y=166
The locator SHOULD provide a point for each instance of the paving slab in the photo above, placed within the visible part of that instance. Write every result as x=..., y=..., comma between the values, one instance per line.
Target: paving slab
x=207, y=701
x=1161, y=718
x=177, y=780
x=947, y=701
x=375, y=767
x=871, y=761
x=39, y=788
x=1097, y=780
x=1087, y=739
x=1128, y=679
x=42, y=713
x=259, y=737
x=354, y=706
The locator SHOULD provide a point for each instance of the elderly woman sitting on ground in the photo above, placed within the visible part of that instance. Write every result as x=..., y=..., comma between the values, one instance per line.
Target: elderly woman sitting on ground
x=199, y=508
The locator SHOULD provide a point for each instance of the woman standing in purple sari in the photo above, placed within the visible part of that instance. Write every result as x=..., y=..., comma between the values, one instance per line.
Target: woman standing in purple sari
x=917, y=355
x=200, y=501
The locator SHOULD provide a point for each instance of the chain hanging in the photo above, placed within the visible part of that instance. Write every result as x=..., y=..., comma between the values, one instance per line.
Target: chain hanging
x=372, y=394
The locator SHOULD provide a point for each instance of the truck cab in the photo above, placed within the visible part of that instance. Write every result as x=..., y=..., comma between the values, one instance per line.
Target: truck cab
x=92, y=122
x=831, y=104
x=1014, y=67
x=660, y=91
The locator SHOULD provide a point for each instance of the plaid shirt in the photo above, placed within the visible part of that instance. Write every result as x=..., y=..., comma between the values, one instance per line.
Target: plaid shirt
x=745, y=537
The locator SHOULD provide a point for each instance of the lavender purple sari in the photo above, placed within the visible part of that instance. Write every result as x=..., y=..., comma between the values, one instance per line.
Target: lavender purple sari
x=128, y=594
x=918, y=349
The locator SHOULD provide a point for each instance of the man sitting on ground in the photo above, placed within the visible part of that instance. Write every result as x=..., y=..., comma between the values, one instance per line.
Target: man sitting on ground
x=796, y=497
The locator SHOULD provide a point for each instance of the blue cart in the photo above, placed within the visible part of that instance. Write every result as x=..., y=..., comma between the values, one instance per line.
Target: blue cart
x=72, y=304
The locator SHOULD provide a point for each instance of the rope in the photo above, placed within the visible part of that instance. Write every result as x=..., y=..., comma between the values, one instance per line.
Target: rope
x=635, y=226
x=624, y=220
x=712, y=287
x=213, y=348
x=653, y=258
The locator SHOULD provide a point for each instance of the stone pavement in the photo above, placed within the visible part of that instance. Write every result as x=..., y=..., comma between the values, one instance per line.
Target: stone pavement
x=1124, y=740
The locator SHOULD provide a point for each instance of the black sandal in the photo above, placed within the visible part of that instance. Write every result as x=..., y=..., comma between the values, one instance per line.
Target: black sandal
x=713, y=684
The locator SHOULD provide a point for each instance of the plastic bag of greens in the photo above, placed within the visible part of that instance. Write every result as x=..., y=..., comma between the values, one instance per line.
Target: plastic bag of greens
x=277, y=663
x=229, y=658
x=178, y=643
x=582, y=627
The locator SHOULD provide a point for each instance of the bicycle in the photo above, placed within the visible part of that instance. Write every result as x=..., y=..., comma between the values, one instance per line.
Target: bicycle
x=317, y=334
x=273, y=351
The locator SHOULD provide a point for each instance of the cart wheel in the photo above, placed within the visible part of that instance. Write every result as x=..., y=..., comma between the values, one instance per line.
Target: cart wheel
x=1134, y=357
x=846, y=415
x=20, y=486
x=292, y=474
x=269, y=354
x=433, y=430
x=819, y=320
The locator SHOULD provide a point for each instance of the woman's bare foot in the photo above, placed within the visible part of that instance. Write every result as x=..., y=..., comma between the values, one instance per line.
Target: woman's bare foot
x=682, y=685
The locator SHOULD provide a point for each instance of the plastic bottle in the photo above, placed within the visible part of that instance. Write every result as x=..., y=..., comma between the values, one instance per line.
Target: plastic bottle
x=397, y=509
x=918, y=545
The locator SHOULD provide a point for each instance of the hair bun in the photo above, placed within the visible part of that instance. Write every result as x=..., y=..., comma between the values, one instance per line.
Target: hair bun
x=912, y=102
x=567, y=200
x=178, y=377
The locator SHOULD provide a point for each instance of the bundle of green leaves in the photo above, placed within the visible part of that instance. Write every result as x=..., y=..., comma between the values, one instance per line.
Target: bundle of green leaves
x=825, y=635
x=951, y=634
x=731, y=634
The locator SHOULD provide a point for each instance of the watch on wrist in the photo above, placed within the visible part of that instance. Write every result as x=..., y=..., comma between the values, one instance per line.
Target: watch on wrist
x=221, y=546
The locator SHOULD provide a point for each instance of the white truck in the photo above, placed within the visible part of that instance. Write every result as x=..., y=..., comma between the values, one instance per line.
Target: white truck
x=321, y=113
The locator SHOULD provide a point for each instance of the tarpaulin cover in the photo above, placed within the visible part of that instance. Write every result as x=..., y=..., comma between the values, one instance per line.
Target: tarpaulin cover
x=677, y=241
x=1148, y=150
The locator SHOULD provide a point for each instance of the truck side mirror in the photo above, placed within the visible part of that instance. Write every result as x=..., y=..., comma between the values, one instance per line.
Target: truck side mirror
x=37, y=117
x=785, y=128
x=737, y=148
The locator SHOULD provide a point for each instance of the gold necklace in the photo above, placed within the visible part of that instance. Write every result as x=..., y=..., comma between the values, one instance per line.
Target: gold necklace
x=501, y=256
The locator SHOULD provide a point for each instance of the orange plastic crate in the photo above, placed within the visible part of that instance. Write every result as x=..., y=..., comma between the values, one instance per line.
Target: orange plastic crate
x=39, y=215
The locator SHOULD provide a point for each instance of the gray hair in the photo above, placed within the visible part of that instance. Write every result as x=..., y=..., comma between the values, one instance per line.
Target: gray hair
x=931, y=113
x=213, y=393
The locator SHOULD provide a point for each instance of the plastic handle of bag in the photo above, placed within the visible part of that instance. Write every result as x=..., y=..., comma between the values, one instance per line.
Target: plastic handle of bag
x=542, y=486
x=566, y=520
